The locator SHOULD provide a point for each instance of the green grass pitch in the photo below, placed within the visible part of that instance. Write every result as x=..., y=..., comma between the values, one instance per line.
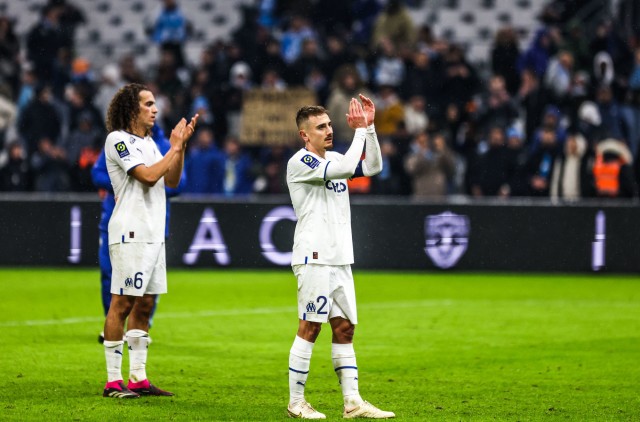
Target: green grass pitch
x=430, y=346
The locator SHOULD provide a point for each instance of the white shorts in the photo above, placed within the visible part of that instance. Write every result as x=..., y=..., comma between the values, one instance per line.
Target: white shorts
x=325, y=292
x=138, y=269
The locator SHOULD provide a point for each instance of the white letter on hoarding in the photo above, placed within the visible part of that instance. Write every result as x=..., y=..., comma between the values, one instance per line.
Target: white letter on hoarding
x=269, y=250
x=208, y=237
x=75, y=250
x=597, y=246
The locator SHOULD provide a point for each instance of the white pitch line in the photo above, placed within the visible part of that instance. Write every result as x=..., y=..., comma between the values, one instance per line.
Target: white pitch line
x=214, y=313
x=380, y=305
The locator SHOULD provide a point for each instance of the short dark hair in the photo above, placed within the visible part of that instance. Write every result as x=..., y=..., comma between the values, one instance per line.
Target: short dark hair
x=307, y=111
x=124, y=107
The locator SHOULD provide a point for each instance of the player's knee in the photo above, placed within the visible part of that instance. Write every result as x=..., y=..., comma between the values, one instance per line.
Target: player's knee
x=343, y=333
x=309, y=330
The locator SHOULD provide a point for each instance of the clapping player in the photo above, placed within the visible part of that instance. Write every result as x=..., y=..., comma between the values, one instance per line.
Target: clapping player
x=138, y=173
x=323, y=250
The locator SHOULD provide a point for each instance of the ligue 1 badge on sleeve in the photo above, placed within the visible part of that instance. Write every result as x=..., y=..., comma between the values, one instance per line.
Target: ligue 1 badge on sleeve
x=447, y=237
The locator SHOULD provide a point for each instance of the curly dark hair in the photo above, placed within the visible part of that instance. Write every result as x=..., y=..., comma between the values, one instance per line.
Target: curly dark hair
x=307, y=111
x=124, y=107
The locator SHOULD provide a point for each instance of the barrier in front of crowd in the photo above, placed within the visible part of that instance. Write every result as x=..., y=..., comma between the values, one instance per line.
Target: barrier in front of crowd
x=393, y=233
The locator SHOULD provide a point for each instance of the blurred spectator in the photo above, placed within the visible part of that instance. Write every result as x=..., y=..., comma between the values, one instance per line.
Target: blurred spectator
x=431, y=166
x=572, y=177
x=394, y=24
x=536, y=57
x=239, y=172
x=308, y=61
x=9, y=57
x=110, y=82
x=364, y=13
x=71, y=17
x=79, y=103
x=423, y=76
x=612, y=171
x=40, y=119
x=337, y=54
x=166, y=77
x=614, y=122
x=389, y=111
x=129, y=71
x=239, y=82
x=496, y=107
x=27, y=87
x=539, y=166
x=634, y=104
x=390, y=181
x=589, y=123
x=274, y=170
x=504, y=57
x=533, y=100
x=388, y=67
x=170, y=30
x=8, y=113
x=50, y=167
x=517, y=157
x=293, y=37
x=269, y=58
x=576, y=42
x=415, y=117
x=494, y=166
x=272, y=80
x=14, y=168
x=551, y=120
x=82, y=149
x=204, y=165
x=346, y=85
x=559, y=76
x=44, y=41
x=461, y=82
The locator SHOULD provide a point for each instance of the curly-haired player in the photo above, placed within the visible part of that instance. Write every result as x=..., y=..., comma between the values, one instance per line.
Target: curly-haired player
x=138, y=173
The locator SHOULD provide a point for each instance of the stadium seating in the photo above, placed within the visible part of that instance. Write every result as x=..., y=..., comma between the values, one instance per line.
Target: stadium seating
x=116, y=27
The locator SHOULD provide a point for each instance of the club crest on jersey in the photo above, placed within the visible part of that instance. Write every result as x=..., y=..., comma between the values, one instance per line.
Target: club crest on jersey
x=311, y=307
x=121, y=147
x=128, y=282
x=311, y=161
x=447, y=238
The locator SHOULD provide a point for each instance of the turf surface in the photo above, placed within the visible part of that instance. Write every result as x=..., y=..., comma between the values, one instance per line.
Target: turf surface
x=430, y=346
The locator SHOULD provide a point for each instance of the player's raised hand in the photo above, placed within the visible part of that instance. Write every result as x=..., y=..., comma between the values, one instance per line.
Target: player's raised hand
x=189, y=129
x=356, y=117
x=369, y=109
x=182, y=132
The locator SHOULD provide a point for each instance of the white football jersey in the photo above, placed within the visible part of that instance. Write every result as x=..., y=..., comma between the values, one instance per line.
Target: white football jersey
x=323, y=230
x=140, y=211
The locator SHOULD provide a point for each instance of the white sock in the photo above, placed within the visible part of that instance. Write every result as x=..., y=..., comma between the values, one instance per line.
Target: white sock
x=138, y=346
x=344, y=363
x=299, y=362
x=113, y=354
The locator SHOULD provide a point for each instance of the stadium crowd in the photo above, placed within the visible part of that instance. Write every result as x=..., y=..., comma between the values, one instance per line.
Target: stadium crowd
x=559, y=117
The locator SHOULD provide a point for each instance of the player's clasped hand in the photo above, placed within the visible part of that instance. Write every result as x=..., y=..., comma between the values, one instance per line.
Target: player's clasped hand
x=356, y=117
x=182, y=132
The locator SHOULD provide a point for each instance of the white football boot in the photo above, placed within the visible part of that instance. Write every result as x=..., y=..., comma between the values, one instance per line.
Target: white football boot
x=303, y=410
x=368, y=411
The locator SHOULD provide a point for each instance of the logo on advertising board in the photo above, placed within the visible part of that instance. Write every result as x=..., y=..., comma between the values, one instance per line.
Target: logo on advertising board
x=447, y=237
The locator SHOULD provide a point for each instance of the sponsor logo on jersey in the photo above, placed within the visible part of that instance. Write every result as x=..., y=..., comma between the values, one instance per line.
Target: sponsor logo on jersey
x=128, y=282
x=447, y=238
x=121, y=147
x=311, y=307
x=311, y=161
x=336, y=187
